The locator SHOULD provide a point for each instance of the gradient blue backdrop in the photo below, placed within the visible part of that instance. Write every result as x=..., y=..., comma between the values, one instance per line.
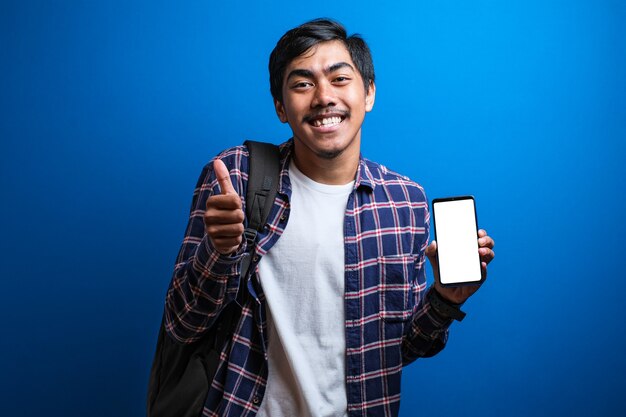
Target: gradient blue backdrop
x=110, y=109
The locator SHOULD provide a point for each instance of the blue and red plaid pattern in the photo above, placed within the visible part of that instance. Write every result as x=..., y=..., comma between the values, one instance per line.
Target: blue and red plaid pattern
x=388, y=321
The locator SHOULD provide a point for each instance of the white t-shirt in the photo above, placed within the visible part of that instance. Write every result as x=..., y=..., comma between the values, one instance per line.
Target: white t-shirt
x=303, y=280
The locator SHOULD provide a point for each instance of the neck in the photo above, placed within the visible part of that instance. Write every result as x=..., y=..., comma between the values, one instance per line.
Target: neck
x=338, y=170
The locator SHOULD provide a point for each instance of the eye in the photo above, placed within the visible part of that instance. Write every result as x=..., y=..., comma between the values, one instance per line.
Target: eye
x=300, y=85
x=341, y=80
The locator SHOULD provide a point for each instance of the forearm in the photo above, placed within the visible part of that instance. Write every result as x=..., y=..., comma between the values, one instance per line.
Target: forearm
x=204, y=280
x=200, y=288
x=427, y=333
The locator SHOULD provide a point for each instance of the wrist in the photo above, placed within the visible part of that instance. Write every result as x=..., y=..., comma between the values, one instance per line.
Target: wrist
x=444, y=307
x=449, y=295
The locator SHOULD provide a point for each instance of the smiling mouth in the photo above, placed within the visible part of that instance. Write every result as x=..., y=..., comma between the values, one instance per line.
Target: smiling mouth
x=326, y=121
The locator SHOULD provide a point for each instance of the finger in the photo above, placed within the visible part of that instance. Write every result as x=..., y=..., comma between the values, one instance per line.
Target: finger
x=431, y=250
x=226, y=246
x=217, y=231
x=486, y=254
x=486, y=242
x=224, y=202
x=223, y=217
x=223, y=177
x=482, y=233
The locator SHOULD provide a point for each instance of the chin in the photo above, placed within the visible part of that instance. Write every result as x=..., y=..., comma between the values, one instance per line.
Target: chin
x=330, y=154
x=331, y=149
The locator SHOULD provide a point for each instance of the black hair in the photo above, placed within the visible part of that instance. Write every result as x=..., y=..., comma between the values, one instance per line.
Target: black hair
x=302, y=38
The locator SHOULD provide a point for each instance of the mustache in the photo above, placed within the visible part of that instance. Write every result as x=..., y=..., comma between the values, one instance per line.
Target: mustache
x=325, y=113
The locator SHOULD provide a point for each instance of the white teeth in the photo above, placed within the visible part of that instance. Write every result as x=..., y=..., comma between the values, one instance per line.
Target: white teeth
x=327, y=121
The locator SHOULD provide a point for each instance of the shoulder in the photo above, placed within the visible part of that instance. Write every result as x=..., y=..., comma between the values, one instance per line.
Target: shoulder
x=236, y=157
x=233, y=157
x=397, y=185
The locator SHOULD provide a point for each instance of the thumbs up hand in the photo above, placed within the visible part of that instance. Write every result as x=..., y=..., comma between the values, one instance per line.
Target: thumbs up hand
x=223, y=218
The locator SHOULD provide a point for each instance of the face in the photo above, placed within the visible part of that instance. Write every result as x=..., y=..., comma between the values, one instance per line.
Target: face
x=324, y=102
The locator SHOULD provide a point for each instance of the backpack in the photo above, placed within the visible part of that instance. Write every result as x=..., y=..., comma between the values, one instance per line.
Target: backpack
x=181, y=374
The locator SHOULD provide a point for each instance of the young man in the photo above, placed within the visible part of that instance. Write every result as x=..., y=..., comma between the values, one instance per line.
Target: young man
x=337, y=303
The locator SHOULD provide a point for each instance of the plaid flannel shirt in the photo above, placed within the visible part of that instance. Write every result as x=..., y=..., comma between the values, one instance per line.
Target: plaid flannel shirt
x=388, y=322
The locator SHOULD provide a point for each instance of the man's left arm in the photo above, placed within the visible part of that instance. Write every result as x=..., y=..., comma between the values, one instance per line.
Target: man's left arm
x=427, y=333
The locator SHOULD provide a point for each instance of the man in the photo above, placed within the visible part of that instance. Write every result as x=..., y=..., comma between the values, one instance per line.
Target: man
x=337, y=303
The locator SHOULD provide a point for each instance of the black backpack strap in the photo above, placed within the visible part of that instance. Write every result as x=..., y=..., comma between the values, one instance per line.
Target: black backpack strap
x=263, y=178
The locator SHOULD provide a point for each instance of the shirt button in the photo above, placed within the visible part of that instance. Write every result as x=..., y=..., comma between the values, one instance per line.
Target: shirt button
x=256, y=400
x=255, y=258
x=283, y=218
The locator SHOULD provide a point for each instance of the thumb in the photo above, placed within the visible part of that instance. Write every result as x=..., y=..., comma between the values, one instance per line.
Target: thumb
x=431, y=253
x=223, y=177
x=431, y=250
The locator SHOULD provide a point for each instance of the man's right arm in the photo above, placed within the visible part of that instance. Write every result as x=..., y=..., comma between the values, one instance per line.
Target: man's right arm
x=207, y=270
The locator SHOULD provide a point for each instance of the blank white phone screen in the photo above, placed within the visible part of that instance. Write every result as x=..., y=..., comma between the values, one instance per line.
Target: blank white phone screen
x=457, y=241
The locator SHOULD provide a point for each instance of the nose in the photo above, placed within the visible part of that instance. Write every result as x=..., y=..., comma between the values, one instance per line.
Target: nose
x=324, y=95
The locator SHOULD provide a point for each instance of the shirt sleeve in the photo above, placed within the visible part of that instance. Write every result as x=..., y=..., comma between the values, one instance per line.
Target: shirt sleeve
x=427, y=332
x=204, y=280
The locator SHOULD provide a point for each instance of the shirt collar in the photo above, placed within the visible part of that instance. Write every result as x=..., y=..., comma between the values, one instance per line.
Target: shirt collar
x=364, y=176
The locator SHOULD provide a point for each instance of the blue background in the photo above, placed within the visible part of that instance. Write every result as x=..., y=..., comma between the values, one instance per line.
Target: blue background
x=110, y=109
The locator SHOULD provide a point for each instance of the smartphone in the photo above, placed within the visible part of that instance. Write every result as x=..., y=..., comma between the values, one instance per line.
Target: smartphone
x=456, y=233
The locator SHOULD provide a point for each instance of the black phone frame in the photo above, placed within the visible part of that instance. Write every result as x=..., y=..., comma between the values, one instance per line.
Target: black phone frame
x=482, y=272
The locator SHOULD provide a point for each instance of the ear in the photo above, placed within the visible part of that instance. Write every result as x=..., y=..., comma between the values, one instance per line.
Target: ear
x=280, y=111
x=370, y=96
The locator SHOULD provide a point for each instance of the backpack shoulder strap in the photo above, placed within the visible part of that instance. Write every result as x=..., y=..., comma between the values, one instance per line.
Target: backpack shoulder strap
x=263, y=177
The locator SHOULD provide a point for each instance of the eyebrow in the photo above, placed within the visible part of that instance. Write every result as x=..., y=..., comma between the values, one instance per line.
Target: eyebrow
x=298, y=72
x=338, y=66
